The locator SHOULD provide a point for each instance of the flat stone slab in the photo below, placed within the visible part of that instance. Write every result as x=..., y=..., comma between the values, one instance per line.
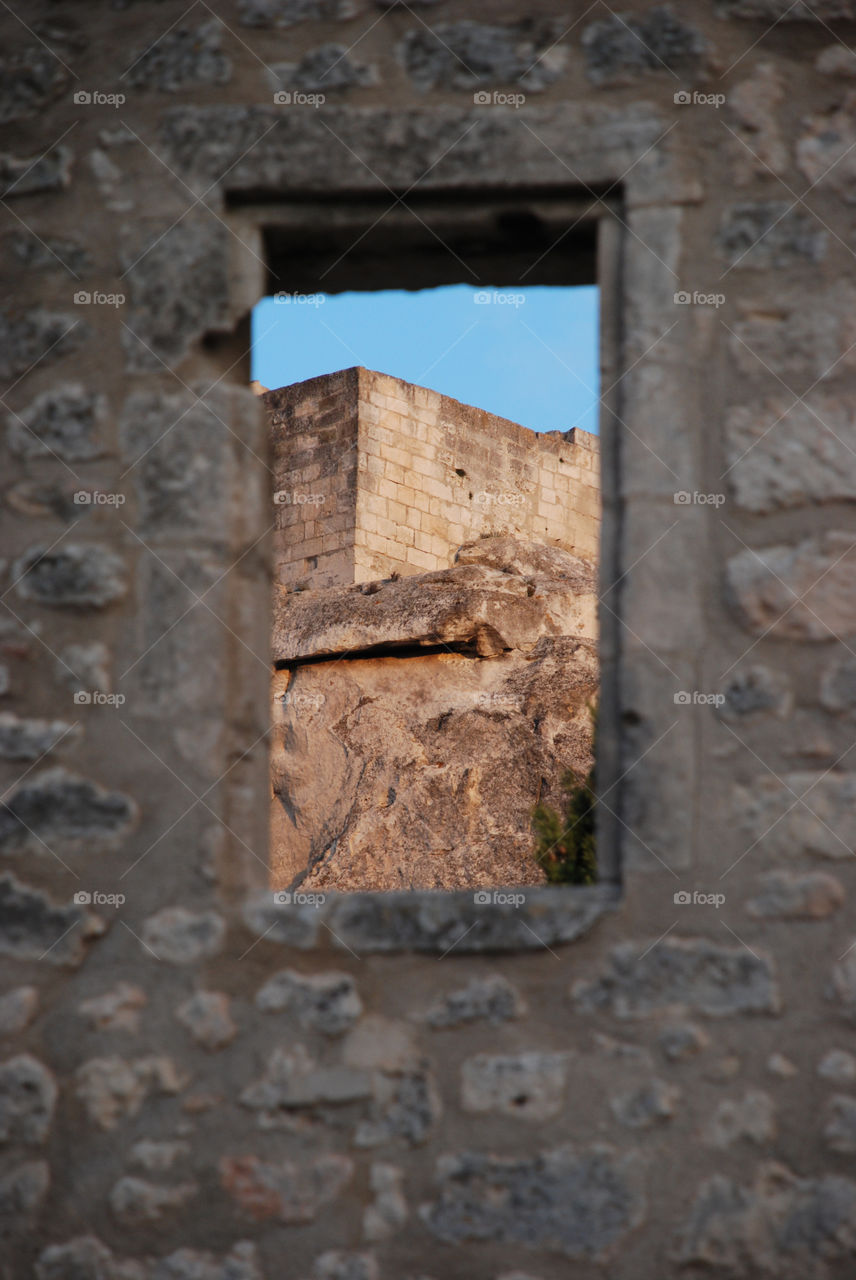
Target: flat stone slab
x=478, y=606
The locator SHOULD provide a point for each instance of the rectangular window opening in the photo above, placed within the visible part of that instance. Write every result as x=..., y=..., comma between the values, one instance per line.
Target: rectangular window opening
x=440, y=384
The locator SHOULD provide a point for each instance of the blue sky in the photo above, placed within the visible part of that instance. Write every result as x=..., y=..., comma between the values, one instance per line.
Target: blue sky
x=525, y=354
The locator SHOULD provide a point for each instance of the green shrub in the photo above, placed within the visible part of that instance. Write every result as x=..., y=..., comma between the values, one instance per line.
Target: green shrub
x=565, y=843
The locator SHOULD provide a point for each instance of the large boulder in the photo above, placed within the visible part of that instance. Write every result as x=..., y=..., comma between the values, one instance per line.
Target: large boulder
x=500, y=595
x=418, y=721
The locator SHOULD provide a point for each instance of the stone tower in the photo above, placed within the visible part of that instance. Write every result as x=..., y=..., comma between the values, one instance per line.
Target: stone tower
x=375, y=475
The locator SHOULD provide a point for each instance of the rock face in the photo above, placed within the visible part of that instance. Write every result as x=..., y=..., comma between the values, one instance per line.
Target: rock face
x=418, y=720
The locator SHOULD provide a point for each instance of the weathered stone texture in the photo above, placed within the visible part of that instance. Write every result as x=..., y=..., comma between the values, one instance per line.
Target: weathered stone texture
x=787, y=895
x=682, y=1041
x=770, y=233
x=135, y=1202
x=399, y=734
x=528, y=1085
x=623, y=46
x=325, y=1002
x=782, y=454
x=115, y=1010
x=800, y=592
x=756, y=691
x=692, y=973
x=755, y=103
x=492, y=999
x=63, y=423
x=179, y=454
x=824, y=150
x=651, y=1104
x=388, y=1212
x=284, y=1191
x=840, y=1130
x=467, y=55
x=32, y=927
x=207, y=1017
x=57, y=808
x=323, y=70
x=49, y=253
x=181, y=936
x=822, y=11
x=799, y=813
x=838, y=1065
x=797, y=339
x=782, y=1223
x=31, y=77
x=750, y=1118
x=224, y=1087
x=287, y=13
x=405, y=1106
x=580, y=1204
x=70, y=576
x=113, y=1089
x=30, y=338
x=32, y=739
x=22, y=1193
x=182, y=59
x=838, y=685
x=87, y=1258
x=28, y=1093
x=18, y=1007
x=31, y=175
x=293, y=1080
x=178, y=290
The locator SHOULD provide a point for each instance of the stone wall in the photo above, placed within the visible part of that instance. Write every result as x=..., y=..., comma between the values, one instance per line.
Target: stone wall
x=196, y=1080
x=314, y=426
x=374, y=475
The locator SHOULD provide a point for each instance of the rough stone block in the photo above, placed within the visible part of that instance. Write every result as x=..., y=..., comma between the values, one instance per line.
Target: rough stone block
x=178, y=290
x=63, y=423
x=581, y=1204
x=28, y=1093
x=28, y=338
x=621, y=47
x=529, y=1085
x=182, y=59
x=70, y=575
x=805, y=591
x=770, y=233
x=56, y=808
x=681, y=973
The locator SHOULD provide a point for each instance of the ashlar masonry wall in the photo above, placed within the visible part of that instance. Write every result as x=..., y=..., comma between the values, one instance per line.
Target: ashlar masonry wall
x=196, y=1081
x=374, y=474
